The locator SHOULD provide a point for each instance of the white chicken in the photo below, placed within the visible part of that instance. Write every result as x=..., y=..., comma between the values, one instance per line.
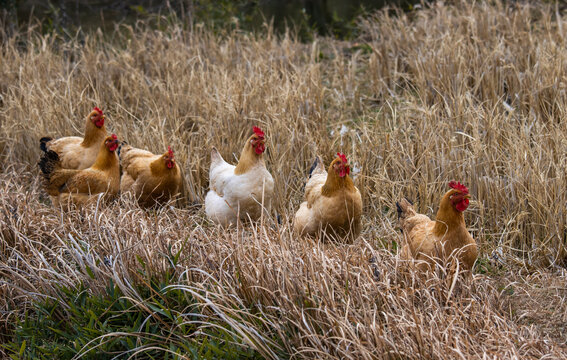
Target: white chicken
x=242, y=191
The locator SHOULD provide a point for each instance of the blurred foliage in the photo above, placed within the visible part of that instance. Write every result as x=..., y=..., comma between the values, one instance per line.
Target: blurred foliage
x=304, y=17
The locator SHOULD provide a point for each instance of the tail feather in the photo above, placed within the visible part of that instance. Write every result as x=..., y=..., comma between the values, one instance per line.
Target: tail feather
x=48, y=162
x=315, y=163
x=54, y=176
x=123, y=148
x=317, y=167
x=43, y=143
x=404, y=208
x=216, y=157
x=399, y=209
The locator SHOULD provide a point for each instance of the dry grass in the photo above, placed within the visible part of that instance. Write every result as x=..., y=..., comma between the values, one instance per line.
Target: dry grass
x=474, y=93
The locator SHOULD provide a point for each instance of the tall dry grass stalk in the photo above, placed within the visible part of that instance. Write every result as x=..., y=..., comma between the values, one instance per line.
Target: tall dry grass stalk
x=474, y=93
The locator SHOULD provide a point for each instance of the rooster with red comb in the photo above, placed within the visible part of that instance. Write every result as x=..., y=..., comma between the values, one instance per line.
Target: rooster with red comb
x=241, y=192
x=441, y=241
x=333, y=205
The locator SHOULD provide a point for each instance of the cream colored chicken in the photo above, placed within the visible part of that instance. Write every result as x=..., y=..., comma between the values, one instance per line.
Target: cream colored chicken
x=332, y=205
x=152, y=179
x=242, y=191
x=79, y=152
x=441, y=240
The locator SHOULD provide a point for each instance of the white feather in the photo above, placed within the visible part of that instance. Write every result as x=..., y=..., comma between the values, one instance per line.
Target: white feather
x=237, y=196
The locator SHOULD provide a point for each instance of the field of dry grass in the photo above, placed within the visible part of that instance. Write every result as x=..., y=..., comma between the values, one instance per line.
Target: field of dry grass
x=475, y=93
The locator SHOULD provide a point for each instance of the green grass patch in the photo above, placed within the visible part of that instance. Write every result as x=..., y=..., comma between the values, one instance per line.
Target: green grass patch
x=164, y=324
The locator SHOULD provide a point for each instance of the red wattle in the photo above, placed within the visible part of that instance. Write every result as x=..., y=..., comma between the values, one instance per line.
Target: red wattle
x=462, y=205
x=260, y=149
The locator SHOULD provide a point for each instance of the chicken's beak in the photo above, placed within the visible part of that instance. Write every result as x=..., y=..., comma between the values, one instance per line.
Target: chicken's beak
x=467, y=196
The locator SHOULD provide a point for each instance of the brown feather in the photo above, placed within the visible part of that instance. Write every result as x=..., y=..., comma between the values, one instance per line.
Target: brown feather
x=76, y=152
x=148, y=177
x=430, y=241
x=248, y=158
x=93, y=134
x=333, y=204
x=335, y=183
x=102, y=177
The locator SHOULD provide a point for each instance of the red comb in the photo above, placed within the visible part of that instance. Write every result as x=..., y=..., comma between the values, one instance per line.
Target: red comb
x=170, y=152
x=458, y=186
x=113, y=136
x=258, y=131
x=343, y=157
x=98, y=110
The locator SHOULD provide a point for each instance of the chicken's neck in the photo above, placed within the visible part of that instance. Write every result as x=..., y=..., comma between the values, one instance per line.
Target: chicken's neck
x=93, y=134
x=159, y=168
x=248, y=159
x=105, y=159
x=336, y=183
x=448, y=218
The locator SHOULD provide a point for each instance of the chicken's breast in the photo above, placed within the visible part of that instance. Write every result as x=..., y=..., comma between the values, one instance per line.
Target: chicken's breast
x=234, y=196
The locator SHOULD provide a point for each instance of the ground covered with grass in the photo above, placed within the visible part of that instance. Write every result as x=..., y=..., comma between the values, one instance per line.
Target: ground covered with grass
x=475, y=93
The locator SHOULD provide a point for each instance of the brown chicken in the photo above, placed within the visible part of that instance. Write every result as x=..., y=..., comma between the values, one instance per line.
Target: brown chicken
x=152, y=179
x=332, y=203
x=75, y=152
x=443, y=239
x=82, y=186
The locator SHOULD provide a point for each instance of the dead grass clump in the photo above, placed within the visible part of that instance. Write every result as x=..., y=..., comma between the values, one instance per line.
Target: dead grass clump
x=277, y=294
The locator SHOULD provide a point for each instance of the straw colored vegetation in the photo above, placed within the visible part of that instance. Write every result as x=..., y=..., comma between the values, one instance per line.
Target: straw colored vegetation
x=475, y=93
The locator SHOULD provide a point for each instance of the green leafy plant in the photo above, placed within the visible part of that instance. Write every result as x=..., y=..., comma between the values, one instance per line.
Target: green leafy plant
x=165, y=323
